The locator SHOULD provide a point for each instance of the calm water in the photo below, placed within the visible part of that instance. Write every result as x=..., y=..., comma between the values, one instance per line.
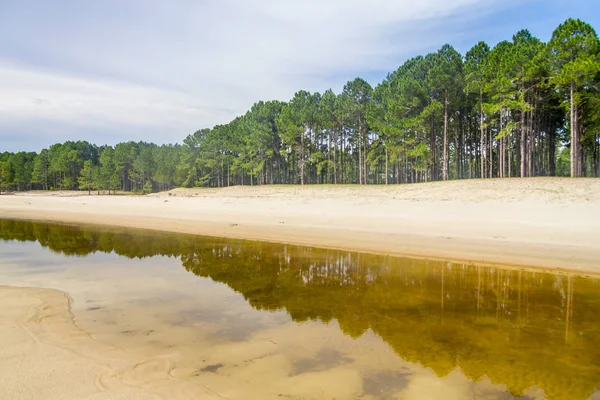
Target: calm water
x=312, y=323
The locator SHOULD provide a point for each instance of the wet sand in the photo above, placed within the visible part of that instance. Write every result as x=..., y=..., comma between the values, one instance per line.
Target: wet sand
x=44, y=355
x=115, y=338
x=541, y=222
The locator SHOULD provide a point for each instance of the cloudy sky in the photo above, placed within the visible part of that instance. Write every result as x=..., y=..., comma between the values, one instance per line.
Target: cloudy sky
x=119, y=70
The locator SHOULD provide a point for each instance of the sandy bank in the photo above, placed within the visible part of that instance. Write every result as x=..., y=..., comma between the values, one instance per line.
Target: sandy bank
x=44, y=355
x=530, y=222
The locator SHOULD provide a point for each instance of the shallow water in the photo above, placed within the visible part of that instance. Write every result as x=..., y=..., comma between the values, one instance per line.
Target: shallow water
x=266, y=320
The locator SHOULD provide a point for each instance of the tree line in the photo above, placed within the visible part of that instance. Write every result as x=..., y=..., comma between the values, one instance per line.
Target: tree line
x=522, y=108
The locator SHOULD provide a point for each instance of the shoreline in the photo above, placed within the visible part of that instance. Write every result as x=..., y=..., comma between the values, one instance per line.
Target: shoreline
x=515, y=260
x=550, y=230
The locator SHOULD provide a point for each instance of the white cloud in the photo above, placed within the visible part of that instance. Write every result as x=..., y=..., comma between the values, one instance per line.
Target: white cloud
x=29, y=93
x=190, y=64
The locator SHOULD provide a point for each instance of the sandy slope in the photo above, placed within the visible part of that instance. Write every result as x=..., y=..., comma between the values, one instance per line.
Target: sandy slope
x=533, y=222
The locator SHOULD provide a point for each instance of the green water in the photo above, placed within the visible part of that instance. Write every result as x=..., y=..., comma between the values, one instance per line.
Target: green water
x=521, y=330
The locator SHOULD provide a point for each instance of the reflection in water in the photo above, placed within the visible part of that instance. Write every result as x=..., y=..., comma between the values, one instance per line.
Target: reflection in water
x=520, y=328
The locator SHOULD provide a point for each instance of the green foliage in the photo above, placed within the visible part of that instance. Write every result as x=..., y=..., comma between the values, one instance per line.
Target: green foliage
x=87, y=176
x=6, y=176
x=563, y=163
x=500, y=111
x=573, y=51
x=108, y=178
x=41, y=166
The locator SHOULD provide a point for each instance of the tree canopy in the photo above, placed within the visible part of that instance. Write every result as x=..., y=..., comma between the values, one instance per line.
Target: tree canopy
x=522, y=108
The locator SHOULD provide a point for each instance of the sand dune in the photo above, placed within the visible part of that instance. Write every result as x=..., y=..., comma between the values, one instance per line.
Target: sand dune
x=531, y=222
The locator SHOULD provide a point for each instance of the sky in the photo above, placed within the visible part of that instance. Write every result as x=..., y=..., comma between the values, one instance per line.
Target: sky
x=120, y=70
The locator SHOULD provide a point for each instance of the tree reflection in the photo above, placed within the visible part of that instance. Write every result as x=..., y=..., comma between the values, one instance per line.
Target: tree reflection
x=520, y=328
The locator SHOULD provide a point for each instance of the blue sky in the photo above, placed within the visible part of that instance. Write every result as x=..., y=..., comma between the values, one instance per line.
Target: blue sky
x=120, y=70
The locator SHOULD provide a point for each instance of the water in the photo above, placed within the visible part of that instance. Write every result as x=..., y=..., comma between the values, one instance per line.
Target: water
x=300, y=322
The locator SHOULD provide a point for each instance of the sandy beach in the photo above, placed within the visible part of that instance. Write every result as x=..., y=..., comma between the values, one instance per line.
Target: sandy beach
x=545, y=223
x=539, y=222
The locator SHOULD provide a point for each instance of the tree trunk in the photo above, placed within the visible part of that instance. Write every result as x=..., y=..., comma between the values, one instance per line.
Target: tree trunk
x=552, y=151
x=481, y=138
x=573, y=127
x=445, y=153
x=360, y=155
x=581, y=161
x=364, y=142
x=386, y=165
x=342, y=145
x=491, y=139
x=523, y=143
x=459, y=144
x=531, y=144
x=596, y=151
x=501, y=149
x=432, y=146
x=302, y=168
x=335, y=139
x=510, y=159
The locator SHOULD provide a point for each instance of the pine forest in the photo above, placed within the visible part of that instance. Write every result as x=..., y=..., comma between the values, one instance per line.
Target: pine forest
x=522, y=108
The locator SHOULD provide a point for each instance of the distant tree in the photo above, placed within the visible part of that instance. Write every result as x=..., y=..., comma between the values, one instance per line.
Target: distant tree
x=445, y=80
x=41, y=169
x=107, y=178
x=477, y=82
x=574, y=52
x=359, y=94
x=86, y=178
x=6, y=176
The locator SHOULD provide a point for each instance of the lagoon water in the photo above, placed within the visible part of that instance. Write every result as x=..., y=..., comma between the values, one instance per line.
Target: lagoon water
x=262, y=320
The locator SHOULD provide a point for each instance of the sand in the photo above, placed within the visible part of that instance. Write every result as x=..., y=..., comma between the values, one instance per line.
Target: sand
x=545, y=223
x=539, y=222
x=44, y=355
